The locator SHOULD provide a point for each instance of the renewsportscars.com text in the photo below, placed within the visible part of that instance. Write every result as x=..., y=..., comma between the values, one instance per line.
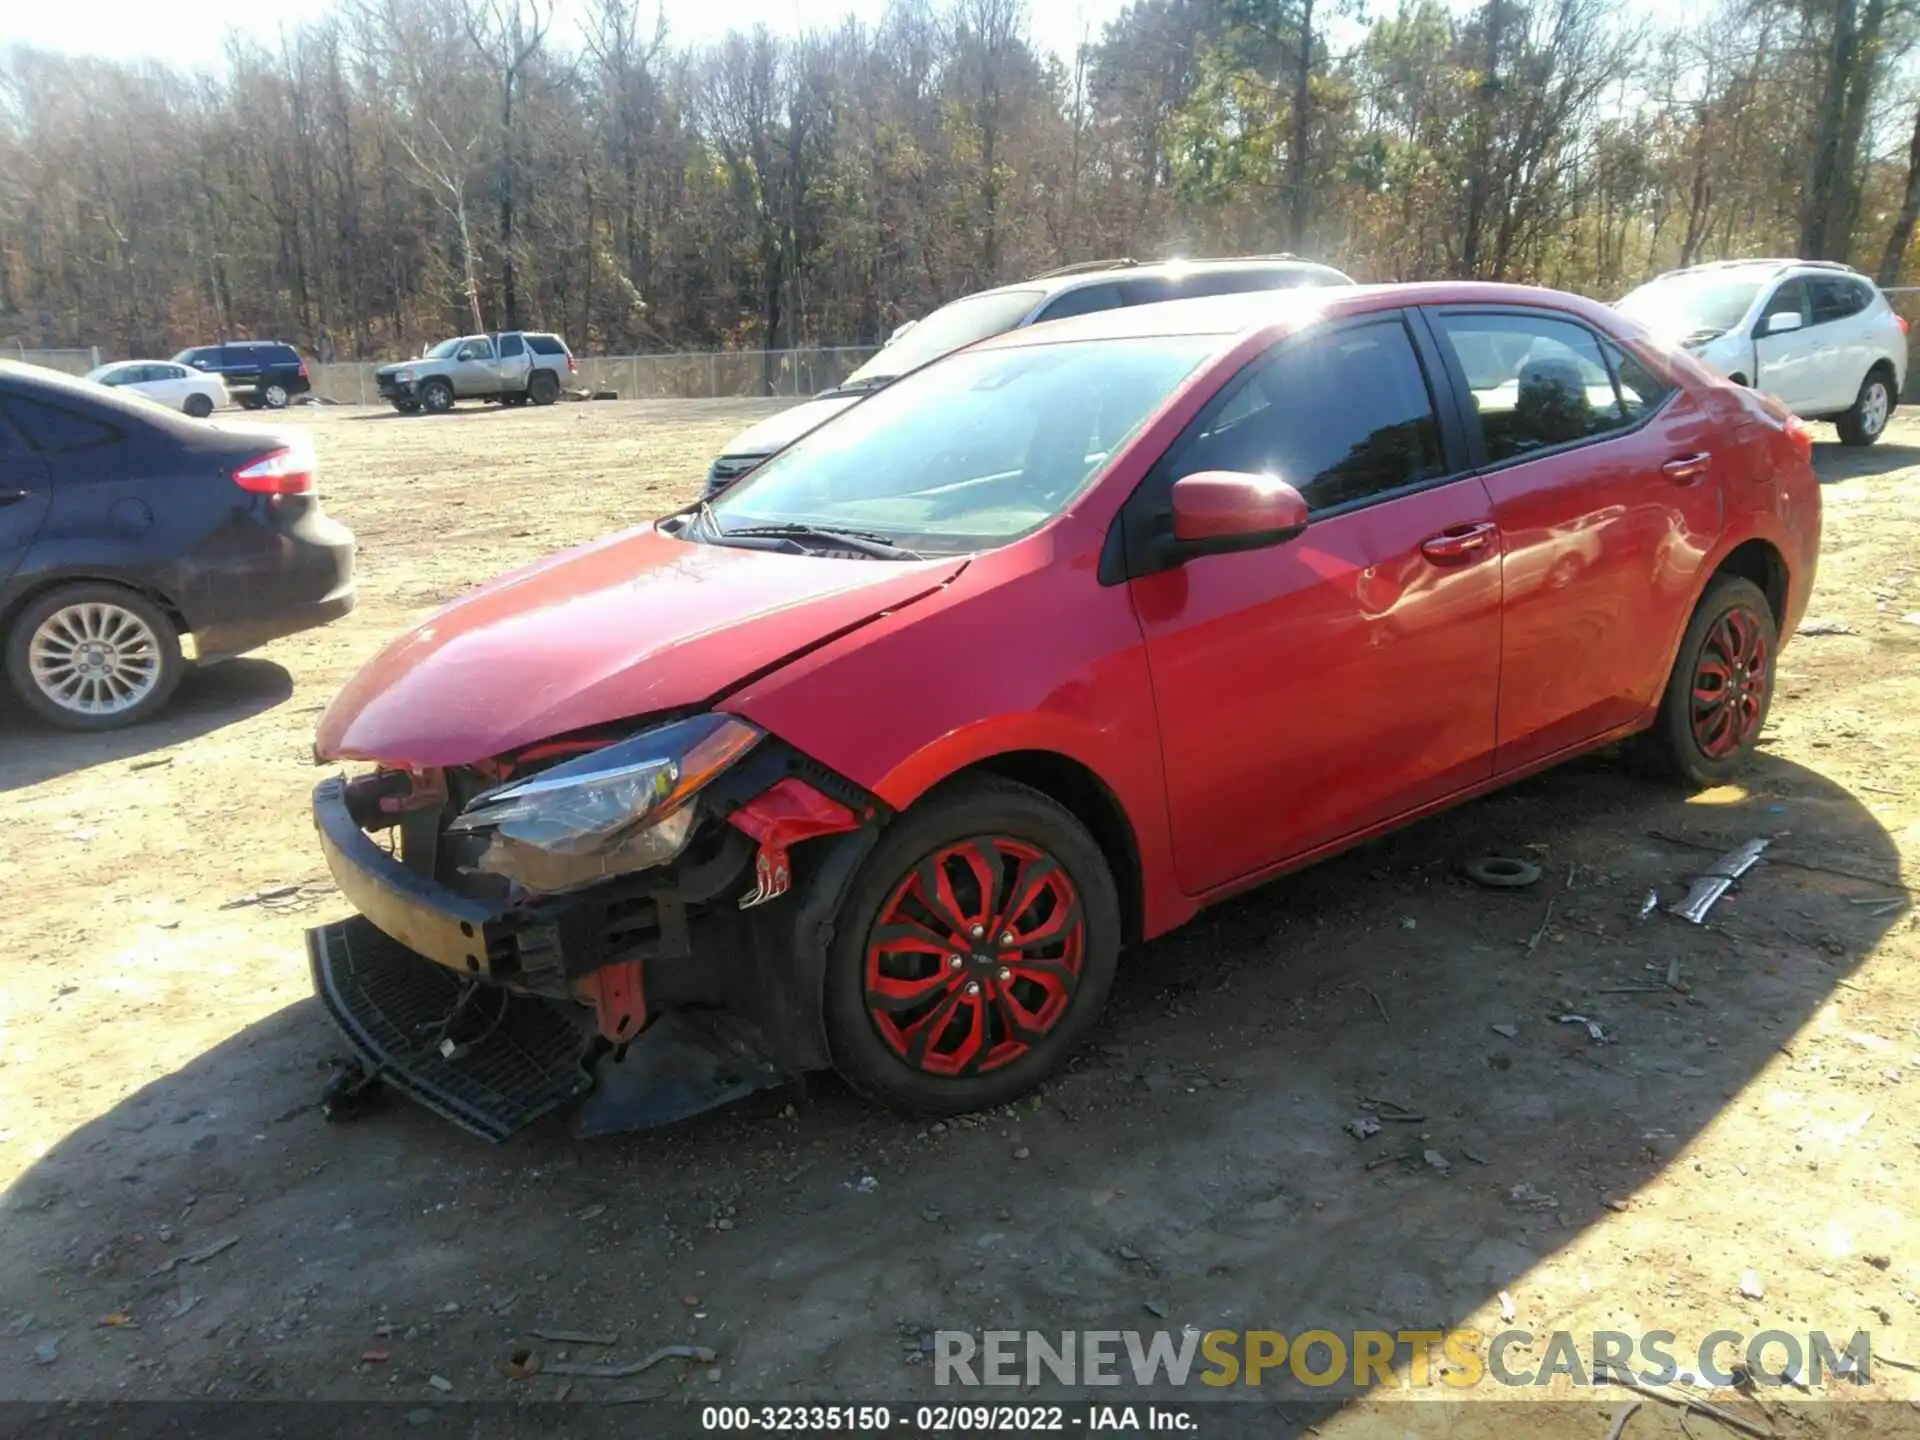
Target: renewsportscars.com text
x=1458, y=1359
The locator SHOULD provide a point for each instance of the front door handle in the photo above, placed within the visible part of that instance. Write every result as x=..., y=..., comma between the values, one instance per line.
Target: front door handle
x=1458, y=543
x=1685, y=469
x=14, y=497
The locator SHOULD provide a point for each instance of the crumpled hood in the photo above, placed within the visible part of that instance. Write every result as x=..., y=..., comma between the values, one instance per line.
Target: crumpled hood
x=776, y=432
x=630, y=625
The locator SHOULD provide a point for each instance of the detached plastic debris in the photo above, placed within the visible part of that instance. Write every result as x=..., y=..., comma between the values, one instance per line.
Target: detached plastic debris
x=1362, y=1127
x=1594, y=1032
x=1712, y=884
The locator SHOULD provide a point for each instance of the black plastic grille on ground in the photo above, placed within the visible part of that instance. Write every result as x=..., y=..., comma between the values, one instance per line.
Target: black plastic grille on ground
x=389, y=1003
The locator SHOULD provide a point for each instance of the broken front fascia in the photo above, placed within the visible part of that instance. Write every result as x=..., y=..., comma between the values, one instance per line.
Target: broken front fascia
x=626, y=807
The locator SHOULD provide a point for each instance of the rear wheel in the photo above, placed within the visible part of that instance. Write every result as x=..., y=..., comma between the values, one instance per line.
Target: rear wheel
x=274, y=395
x=543, y=389
x=1722, y=683
x=93, y=657
x=974, y=951
x=436, y=396
x=1866, y=422
x=198, y=406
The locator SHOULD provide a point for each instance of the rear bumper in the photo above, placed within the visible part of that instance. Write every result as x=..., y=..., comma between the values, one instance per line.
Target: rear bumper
x=236, y=637
x=269, y=582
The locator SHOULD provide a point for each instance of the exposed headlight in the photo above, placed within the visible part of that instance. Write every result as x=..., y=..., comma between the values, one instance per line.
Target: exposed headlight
x=627, y=807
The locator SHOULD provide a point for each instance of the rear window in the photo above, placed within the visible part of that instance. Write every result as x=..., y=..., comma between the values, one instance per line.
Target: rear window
x=546, y=345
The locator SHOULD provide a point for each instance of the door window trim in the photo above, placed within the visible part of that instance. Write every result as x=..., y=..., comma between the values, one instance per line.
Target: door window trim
x=1122, y=561
x=1431, y=315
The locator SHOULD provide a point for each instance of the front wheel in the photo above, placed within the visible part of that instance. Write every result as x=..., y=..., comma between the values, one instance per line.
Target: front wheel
x=436, y=397
x=1722, y=683
x=973, y=952
x=93, y=657
x=1866, y=422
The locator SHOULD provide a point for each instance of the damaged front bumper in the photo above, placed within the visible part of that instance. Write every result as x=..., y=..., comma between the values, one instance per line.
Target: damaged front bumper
x=646, y=999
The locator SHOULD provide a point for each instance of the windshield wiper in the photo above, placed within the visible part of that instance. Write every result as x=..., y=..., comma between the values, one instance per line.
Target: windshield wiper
x=865, y=542
x=858, y=387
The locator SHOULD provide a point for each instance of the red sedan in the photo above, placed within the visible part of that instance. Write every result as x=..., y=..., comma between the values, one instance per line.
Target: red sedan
x=880, y=760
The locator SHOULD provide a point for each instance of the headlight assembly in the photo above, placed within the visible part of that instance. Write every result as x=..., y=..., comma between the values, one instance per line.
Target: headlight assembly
x=626, y=807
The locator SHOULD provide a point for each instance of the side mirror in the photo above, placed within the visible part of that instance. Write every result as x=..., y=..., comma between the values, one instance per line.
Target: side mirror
x=1216, y=512
x=1784, y=321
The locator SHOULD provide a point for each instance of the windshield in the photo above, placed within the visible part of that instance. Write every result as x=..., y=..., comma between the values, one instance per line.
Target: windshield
x=973, y=452
x=443, y=351
x=947, y=329
x=1692, y=304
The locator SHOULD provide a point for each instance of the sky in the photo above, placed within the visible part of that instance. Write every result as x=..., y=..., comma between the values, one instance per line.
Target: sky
x=135, y=29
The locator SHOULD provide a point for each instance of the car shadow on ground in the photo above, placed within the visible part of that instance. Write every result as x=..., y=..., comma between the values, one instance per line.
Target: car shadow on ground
x=1835, y=462
x=1192, y=1168
x=31, y=751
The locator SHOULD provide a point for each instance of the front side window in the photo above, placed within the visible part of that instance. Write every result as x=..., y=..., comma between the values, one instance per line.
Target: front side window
x=1536, y=382
x=973, y=452
x=1084, y=301
x=1790, y=299
x=477, y=350
x=1341, y=417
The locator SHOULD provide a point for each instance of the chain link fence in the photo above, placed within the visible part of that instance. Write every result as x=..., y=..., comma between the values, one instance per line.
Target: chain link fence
x=702, y=375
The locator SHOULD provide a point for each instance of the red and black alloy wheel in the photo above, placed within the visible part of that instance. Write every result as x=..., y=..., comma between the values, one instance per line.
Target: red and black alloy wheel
x=973, y=951
x=975, y=956
x=1730, y=680
x=1717, y=695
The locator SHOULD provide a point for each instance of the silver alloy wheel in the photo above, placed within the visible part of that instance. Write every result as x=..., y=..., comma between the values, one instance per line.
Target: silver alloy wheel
x=1874, y=407
x=94, y=658
x=275, y=396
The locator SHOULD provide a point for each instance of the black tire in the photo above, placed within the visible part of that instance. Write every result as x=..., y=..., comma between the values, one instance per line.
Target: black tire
x=543, y=388
x=1866, y=422
x=436, y=396
x=198, y=406
x=1076, y=895
x=407, y=407
x=167, y=668
x=1677, y=747
x=274, y=395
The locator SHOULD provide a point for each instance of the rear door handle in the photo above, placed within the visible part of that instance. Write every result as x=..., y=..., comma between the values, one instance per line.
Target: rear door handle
x=14, y=497
x=1458, y=543
x=1685, y=469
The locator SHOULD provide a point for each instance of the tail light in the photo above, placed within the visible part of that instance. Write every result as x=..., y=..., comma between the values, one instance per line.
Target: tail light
x=572, y=369
x=284, y=472
x=1901, y=321
x=303, y=369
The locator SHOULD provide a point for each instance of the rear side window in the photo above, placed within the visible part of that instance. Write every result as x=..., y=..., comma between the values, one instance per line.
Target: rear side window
x=510, y=346
x=1342, y=417
x=1835, y=298
x=1536, y=382
x=1641, y=391
x=56, y=430
x=546, y=345
x=1084, y=301
x=280, y=355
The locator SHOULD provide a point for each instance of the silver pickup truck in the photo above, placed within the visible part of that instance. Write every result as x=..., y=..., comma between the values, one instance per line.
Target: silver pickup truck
x=511, y=366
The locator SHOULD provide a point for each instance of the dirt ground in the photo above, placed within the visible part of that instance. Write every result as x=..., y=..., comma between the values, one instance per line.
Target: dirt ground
x=160, y=1056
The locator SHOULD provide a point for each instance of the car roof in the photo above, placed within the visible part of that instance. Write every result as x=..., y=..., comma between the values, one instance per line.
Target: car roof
x=1106, y=272
x=1236, y=317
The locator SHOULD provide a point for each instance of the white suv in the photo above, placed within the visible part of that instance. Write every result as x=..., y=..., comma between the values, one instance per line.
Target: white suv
x=1817, y=335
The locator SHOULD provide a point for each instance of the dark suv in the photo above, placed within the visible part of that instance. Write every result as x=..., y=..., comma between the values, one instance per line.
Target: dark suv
x=257, y=372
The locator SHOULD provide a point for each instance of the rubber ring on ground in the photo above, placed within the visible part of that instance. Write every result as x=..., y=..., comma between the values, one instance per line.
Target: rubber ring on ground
x=1499, y=872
